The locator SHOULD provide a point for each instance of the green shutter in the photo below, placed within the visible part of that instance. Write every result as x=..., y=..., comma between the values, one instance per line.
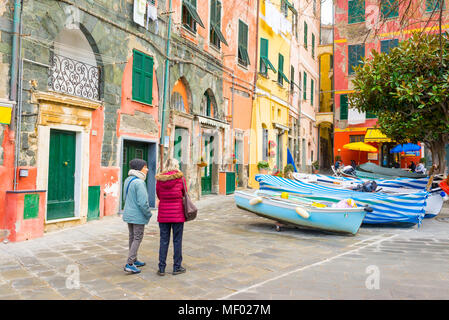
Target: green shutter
x=305, y=86
x=356, y=11
x=191, y=8
x=387, y=45
x=389, y=9
x=311, y=91
x=433, y=5
x=355, y=55
x=215, y=20
x=344, y=107
x=264, y=57
x=142, y=78
x=243, y=43
x=292, y=77
x=280, y=68
x=305, y=35
x=313, y=45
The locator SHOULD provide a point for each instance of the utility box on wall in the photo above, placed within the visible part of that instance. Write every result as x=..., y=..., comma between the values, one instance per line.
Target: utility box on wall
x=25, y=214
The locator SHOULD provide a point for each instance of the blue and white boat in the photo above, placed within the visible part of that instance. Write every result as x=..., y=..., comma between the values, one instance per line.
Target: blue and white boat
x=434, y=202
x=299, y=211
x=387, y=208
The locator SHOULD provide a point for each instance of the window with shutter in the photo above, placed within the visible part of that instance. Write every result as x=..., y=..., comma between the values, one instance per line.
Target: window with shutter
x=344, y=107
x=389, y=9
x=215, y=34
x=433, y=5
x=356, y=11
x=265, y=63
x=304, y=90
x=190, y=16
x=305, y=35
x=243, y=57
x=387, y=45
x=355, y=55
x=311, y=91
x=281, y=75
x=264, y=144
x=292, y=78
x=313, y=46
x=142, y=77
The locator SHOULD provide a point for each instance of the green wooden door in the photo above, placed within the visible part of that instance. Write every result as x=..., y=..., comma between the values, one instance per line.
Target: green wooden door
x=206, y=179
x=132, y=150
x=61, y=175
x=178, y=145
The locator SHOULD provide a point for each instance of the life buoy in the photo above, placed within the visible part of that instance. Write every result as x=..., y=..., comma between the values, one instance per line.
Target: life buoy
x=254, y=201
x=302, y=212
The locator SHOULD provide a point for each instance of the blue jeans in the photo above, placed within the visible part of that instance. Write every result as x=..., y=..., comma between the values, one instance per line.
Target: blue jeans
x=165, y=229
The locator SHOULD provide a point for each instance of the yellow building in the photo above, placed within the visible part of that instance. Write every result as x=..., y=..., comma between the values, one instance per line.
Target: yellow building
x=325, y=116
x=269, y=122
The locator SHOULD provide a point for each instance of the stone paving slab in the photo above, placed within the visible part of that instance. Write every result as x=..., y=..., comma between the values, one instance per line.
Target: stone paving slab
x=230, y=253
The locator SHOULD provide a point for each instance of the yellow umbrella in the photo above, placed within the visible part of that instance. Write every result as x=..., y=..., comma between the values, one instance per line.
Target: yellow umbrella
x=360, y=146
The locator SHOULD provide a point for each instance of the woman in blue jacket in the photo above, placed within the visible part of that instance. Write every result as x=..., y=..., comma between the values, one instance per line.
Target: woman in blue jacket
x=137, y=211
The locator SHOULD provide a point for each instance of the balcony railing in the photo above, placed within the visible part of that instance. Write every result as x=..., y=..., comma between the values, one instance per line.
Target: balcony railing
x=74, y=77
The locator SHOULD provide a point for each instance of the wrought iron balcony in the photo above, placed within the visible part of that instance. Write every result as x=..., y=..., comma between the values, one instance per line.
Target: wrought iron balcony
x=74, y=77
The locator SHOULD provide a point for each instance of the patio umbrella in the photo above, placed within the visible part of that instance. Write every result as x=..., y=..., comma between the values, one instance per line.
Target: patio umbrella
x=405, y=148
x=360, y=146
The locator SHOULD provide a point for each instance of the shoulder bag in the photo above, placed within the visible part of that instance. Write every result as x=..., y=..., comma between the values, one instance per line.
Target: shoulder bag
x=190, y=209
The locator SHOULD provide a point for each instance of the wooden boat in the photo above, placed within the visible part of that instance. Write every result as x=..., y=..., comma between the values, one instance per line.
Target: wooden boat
x=401, y=186
x=392, y=172
x=302, y=212
x=402, y=209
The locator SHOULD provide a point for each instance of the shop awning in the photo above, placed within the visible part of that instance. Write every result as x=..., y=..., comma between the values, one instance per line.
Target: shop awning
x=375, y=135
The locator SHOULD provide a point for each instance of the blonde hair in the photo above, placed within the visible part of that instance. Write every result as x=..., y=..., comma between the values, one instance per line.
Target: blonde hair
x=171, y=165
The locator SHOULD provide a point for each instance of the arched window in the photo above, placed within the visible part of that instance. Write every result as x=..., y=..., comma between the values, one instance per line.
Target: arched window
x=74, y=67
x=177, y=102
x=208, y=106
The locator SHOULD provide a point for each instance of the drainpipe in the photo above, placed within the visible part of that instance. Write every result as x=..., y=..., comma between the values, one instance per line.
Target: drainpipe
x=15, y=49
x=17, y=96
x=164, y=103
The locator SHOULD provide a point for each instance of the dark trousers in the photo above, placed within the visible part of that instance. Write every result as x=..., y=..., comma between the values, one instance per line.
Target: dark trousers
x=135, y=238
x=165, y=229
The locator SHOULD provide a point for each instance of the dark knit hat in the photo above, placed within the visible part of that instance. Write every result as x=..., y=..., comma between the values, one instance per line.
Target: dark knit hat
x=137, y=164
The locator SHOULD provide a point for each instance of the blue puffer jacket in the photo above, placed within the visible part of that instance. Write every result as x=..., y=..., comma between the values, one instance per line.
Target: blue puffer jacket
x=137, y=209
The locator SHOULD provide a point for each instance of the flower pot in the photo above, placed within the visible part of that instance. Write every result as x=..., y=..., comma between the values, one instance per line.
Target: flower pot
x=263, y=171
x=202, y=164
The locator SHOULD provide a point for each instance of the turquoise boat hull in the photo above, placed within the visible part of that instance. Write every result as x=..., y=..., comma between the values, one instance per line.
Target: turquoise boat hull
x=342, y=220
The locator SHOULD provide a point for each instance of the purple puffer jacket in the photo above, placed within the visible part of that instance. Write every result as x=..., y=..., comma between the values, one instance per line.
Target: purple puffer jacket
x=170, y=191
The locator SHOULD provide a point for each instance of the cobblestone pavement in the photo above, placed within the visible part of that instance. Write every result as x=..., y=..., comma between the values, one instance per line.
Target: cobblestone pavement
x=230, y=253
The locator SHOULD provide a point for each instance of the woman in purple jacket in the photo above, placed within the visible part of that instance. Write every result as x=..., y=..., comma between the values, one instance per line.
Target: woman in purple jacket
x=170, y=191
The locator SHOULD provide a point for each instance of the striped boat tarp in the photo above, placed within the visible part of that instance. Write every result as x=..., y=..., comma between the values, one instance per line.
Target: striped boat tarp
x=404, y=208
x=419, y=184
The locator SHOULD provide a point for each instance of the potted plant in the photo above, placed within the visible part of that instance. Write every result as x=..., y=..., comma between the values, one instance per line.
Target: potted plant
x=315, y=166
x=263, y=167
x=202, y=163
x=234, y=160
x=288, y=171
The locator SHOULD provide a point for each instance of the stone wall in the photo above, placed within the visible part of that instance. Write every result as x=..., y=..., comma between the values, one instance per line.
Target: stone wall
x=112, y=34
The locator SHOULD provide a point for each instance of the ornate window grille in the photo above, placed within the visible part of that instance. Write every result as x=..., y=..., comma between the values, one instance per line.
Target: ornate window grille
x=74, y=77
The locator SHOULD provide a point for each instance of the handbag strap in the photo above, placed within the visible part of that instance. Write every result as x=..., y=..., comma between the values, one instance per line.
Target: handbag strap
x=127, y=187
x=184, y=185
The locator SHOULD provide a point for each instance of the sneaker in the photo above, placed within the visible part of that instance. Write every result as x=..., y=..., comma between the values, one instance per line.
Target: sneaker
x=179, y=271
x=138, y=263
x=161, y=273
x=131, y=268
